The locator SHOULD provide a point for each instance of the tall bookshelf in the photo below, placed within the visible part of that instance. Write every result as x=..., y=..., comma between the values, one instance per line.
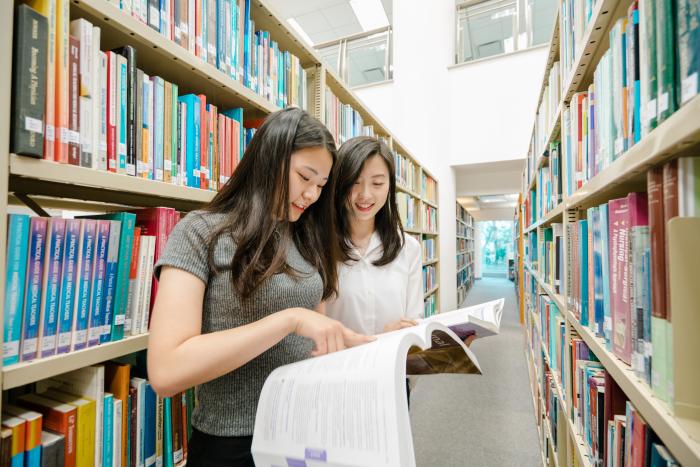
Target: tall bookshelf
x=518, y=257
x=562, y=441
x=50, y=185
x=465, y=253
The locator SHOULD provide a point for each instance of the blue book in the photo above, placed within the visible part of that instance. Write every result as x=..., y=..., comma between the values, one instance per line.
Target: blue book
x=605, y=265
x=110, y=280
x=646, y=299
x=121, y=147
x=86, y=256
x=594, y=218
x=32, y=298
x=237, y=115
x=237, y=71
x=99, y=273
x=210, y=160
x=15, y=275
x=167, y=433
x=248, y=40
x=69, y=282
x=108, y=431
x=149, y=425
x=221, y=37
x=158, y=120
x=127, y=222
x=56, y=231
x=583, y=255
x=192, y=142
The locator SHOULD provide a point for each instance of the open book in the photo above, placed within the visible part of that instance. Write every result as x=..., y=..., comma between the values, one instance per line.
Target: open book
x=482, y=320
x=350, y=408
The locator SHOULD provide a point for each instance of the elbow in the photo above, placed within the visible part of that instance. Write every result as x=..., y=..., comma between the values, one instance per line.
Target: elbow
x=162, y=379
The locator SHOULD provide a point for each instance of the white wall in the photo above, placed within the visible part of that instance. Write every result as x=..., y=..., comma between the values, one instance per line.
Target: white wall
x=480, y=112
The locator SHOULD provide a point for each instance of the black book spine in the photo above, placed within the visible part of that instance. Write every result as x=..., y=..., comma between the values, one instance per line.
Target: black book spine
x=130, y=54
x=29, y=82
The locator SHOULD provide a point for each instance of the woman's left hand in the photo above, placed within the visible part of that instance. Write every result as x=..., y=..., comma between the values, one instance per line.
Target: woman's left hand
x=400, y=324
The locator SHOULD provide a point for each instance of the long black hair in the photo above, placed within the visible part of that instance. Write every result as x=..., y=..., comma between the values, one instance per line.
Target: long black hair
x=352, y=156
x=256, y=202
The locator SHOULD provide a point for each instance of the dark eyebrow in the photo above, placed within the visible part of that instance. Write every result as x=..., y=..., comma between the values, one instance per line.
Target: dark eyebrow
x=313, y=170
x=379, y=175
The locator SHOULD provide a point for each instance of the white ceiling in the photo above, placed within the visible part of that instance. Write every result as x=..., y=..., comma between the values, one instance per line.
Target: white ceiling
x=324, y=20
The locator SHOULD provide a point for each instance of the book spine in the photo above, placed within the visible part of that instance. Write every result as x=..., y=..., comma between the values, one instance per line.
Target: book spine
x=85, y=131
x=142, y=164
x=150, y=292
x=82, y=31
x=112, y=115
x=688, y=38
x=29, y=82
x=98, y=283
x=203, y=143
x=62, y=81
x=150, y=159
x=138, y=124
x=52, y=279
x=158, y=112
x=133, y=283
x=110, y=287
x=174, y=135
x=167, y=131
x=149, y=425
x=159, y=431
x=71, y=134
x=108, y=430
x=82, y=304
x=648, y=65
x=103, y=111
x=15, y=273
x=167, y=433
x=48, y=9
x=619, y=280
x=66, y=306
x=117, y=433
x=122, y=115
x=32, y=299
x=130, y=54
x=96, y=97
x=666, y=59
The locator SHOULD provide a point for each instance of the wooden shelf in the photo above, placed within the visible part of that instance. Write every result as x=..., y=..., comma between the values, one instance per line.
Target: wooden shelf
x=655, y=412
x=677, y=136
x=29, y=372
x=428, y=232
x=407, y=191
x=430, y=292
x=430, y=203
x=412, y=230
x=41, y=177
x=157, y=55
x=548, y=218
x=430, y=261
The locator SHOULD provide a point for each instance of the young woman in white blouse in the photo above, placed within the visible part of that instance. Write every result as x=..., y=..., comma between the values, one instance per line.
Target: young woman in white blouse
x=379, y=274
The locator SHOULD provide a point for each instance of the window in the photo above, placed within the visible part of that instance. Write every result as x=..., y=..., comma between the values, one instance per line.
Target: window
x=495, y=27
x=360, y=59
x=496, y=247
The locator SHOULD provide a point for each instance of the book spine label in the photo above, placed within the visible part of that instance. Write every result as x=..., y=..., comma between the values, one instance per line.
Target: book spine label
x=81, y=314
x=15, y=273
x=52, y=271
x=68, y=284
x=98, y=282
x=32, y=300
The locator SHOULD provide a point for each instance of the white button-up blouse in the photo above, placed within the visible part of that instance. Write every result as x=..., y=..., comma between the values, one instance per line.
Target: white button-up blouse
x=370, y=297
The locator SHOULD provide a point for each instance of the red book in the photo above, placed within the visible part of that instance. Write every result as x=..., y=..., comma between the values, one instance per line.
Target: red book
x=57, y=417
x=618, y=245
x=639, y=434
x=670, y=192
x=73, y=103
x=235, y=145
x=615, y=401
x=657, y=234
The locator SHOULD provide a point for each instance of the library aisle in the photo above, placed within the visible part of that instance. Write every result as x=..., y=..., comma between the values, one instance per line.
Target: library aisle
x=489, y=419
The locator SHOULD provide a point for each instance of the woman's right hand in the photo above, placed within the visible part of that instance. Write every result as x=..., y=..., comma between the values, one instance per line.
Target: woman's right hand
x=328, y=334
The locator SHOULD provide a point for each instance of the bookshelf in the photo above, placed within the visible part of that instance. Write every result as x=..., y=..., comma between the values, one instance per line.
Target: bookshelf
x=518, y=253
x=465, y=253
x=677, y=136
x=50, y=184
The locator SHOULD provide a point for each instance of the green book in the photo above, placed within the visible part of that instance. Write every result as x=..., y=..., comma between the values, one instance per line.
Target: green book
x=665, y=59
x=688, y=39
x=29, y=82
x=647, y=64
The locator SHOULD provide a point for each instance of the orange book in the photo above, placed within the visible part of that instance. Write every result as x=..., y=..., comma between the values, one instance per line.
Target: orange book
x=18, y=427
x=62, y=81
x=59, y=418
x=235, y=144
x=32, y=432
x=117, y=377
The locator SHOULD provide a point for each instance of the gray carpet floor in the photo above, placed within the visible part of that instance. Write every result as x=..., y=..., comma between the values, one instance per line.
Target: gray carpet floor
x=485, y=420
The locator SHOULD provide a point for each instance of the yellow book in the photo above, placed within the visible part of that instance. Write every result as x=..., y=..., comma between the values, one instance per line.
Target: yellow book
x=85, y=425
x=48, y=9
x=62, y=81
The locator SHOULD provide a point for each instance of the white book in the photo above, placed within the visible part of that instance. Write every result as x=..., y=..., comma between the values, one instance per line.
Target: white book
x=112, y=102
x=102, y=131
x=96, y=95
x=481, y=320
x=151, y=128
x=117, y=434
x=148, y=282
x=132, y=317
x=86, y=131
x=350, y=408
x=140, y=385
x=141, y=164
x=87, y=382
x=82, y=29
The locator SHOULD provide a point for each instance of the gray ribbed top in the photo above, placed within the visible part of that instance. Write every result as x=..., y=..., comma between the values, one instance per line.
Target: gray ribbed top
x=227, y=404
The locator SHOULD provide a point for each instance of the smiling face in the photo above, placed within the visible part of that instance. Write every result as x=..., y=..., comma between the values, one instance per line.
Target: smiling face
x=309, y=169
x=370, y=191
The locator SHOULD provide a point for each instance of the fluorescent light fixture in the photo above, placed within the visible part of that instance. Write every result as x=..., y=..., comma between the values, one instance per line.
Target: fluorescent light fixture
x=492, y=199
x=370, y=14
x=305, y=37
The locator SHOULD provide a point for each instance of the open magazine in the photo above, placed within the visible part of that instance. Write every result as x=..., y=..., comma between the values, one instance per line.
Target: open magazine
x=350, y=408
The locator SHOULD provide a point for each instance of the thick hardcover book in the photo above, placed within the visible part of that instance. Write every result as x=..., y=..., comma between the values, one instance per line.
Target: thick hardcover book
x=59, y=418
x=619, y=291
x=53, y=266
x=73, y=129
x=52, y=448
x=86, y=263
x=69, y=283
x=32, y=444
x=666, y=59
x=15, y=275
x=130, y=53
x=29, y=82
x=688, y=38
x=117, y=377
x=32, y=298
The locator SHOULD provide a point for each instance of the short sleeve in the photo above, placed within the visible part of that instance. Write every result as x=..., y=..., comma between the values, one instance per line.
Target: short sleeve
x=414, y=299
x=187, y=248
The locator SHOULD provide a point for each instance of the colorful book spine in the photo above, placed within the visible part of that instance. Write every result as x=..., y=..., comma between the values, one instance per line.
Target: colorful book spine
x=107, y=430
x=18, y=427
x=15, y=274
x=81, y=314
x=111, y=273
x=158, y=117
x=121, y=111
x=688, y=43
x=62, y=80
x=53, y=265
x=192, y=143
x=32, y=299
x=69, y=278
x=98, y=282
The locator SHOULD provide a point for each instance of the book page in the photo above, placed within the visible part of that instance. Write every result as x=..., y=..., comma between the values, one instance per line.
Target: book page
x=483, y=320
x=348, y=408
x=447, y=353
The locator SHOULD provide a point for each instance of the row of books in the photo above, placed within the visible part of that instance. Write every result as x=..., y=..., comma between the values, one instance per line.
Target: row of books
x=430, y=306
x=462, y=244
x=547, y=192
x=103, y=415
x=408, y=210
x=124, y=121
x=462, y=260
x=464, y=216
x=614, y=432
x=429, y=249
x=429, y=188
x=223, y=34
x=574, y=21
x=429, y=277
x=465, y=279
x=619, y=270
x=547, y=110
x=406, y=172
x=464, y=231
x=343, y=121
x=77, y=283
x=552, y=256
x=641, y=80
x=429, y=219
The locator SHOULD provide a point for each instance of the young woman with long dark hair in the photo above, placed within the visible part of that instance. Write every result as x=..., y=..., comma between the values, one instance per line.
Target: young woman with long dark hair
x=239, y=282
